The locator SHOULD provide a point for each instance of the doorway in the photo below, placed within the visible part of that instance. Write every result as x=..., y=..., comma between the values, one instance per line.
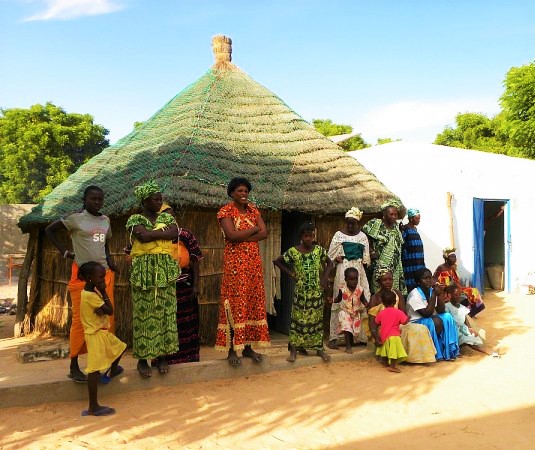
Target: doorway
x=492, y=243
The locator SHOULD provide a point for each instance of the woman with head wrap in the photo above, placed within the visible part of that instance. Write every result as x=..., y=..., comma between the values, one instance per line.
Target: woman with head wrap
x=412, y=252
x=386, y=242
x=349, y=248
x=152, y=278
x=447, y=273
x=415, y=338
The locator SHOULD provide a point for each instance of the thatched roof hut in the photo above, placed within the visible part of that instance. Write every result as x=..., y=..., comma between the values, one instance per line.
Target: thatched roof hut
x=223, y=125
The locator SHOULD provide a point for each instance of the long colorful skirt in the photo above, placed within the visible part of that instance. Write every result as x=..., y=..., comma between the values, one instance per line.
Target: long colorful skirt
x=154, y=322
x=187, y=323
x=447, y=343
x=306, y=326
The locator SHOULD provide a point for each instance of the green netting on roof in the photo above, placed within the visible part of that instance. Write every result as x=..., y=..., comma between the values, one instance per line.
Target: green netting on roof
x=223, y=125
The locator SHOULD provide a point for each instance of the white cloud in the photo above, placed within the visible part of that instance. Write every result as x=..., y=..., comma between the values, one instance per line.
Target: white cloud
x=71, y=9
x=420, y=120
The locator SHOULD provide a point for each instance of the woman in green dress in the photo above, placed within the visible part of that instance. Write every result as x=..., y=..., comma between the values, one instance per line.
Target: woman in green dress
x=386, y=242
x=152, y=278
x=310, y=266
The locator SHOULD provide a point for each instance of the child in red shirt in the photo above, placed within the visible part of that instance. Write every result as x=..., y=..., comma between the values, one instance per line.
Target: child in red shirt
x=389, y=346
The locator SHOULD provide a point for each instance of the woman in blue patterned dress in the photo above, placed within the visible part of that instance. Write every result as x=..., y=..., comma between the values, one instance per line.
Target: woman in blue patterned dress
x=412, y=252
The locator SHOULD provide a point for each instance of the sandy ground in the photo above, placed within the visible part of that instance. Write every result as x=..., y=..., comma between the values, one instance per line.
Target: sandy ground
x=475, y=402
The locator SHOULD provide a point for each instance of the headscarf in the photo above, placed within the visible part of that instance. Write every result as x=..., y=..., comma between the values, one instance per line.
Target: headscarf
x=354, y=213
x=448, y=251
x=379, y=271
x=391, y=202
x=146, y=189
x=412, y=212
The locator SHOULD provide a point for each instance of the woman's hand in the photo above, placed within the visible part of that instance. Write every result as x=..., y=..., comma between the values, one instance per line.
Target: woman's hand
x=99, y=312
x=373, y=255
x=339, y=259
x=68, y=255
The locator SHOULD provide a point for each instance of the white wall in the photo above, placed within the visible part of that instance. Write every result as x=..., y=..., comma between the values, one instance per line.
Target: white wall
x=422, y=174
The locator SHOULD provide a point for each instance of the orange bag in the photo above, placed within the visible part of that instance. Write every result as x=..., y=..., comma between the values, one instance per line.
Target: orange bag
x=180, y=253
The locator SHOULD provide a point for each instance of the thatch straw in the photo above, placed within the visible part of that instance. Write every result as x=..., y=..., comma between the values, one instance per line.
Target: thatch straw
x=222, y=48
x=223, y=125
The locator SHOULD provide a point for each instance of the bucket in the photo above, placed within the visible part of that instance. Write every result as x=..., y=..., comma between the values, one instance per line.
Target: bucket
x=496, y=277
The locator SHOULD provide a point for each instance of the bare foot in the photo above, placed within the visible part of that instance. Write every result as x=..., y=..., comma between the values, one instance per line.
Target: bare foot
x=163, y=366
x=144, y=369
x=333, y=345
x=248, y=352
x=349, y=350
x=394, y=369
x=233, y=358
x=323, y=355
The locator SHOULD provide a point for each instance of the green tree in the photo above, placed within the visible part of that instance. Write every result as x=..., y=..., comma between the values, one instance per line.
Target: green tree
x=328, y=128
x=354, y=143
x=40, y=147
x=381, y=141
x=476, y=131
x=518, y=103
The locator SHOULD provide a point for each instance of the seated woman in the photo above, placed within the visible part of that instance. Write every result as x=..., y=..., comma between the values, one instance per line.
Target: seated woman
x=425, y=305
x=447, y=273
x=415, y=338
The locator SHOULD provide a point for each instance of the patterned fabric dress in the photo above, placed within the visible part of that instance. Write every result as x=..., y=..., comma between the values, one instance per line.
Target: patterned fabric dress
x=152, y=278
x=387, y=244
x=187, y=307
x=446, y=277
x=351, y=311
x=412, y=255
x=336, y=248
x=242, y=305
x=306, y=327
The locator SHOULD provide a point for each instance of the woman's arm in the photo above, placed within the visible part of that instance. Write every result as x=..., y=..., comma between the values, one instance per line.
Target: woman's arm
x=262, y=232
x=234, y=235
x=338, y=298
x=51, y=233
x=279, y=262
x=374, y=330
x=402, y=306
x=438, y=295
x=371, y=244
x=324, y=280
x=143, y=235
x=429, y=310
x=194, y=266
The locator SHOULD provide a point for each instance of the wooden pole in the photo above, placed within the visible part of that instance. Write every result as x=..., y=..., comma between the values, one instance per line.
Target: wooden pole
x=22, y=292
x=449, y=197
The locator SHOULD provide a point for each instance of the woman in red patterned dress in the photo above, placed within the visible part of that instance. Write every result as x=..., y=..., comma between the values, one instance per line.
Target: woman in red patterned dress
x=242, y=308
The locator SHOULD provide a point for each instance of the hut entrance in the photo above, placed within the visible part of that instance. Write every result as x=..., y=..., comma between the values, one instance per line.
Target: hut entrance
x=492, y=242
x=291, y=221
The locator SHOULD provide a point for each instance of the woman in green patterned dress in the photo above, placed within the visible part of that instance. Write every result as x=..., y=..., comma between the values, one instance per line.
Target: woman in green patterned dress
x=152, y=278
x=310, y=266
x=386, y=242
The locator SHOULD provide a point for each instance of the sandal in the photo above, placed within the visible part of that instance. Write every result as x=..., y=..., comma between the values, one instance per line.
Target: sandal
x=78, y=378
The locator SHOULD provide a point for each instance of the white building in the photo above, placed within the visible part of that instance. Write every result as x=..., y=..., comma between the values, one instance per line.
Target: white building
x=427, y=176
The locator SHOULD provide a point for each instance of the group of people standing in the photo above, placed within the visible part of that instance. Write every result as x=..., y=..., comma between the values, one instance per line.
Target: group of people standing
x=164, y=279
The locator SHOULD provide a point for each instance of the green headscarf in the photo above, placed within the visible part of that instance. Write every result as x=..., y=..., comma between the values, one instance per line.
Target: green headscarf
x=145, y=190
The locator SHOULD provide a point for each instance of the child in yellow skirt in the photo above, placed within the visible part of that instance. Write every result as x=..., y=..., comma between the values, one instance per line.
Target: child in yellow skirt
x=389, y=346
x=104, y=350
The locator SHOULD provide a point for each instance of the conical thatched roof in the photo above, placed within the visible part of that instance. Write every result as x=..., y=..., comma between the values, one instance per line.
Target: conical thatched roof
x=223, y=125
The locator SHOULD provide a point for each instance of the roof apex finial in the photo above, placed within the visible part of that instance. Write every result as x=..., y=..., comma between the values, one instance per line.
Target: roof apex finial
x=222, y=47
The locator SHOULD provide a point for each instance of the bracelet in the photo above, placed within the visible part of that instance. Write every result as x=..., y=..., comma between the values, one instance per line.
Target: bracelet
x=66, y=253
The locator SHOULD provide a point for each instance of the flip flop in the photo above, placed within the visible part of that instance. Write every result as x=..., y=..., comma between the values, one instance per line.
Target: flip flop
x=105, y=411
x=78, y=378
x=118, y=371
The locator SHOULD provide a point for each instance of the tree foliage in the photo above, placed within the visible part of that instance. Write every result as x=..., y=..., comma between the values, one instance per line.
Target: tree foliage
x=510, y=132
x=354, y=143
x=328, y=128
x=40, y=147
x=518, y=103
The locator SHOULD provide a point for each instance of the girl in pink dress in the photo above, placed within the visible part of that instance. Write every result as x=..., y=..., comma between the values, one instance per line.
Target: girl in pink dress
x=389, y=346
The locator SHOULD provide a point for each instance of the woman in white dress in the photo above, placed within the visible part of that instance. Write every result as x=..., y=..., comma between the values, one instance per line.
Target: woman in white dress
x=349, y=248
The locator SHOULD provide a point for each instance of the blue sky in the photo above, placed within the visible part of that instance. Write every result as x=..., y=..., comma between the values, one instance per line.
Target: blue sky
x=399, y=69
